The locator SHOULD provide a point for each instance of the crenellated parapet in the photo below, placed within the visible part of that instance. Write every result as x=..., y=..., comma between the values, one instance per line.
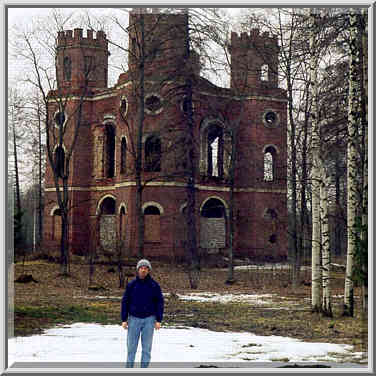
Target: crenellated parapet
x=254, y=60
x=82, y=61
x=73, y=37
x=253, y=38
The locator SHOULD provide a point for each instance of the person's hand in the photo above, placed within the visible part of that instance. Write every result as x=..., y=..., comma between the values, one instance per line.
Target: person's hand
x=124, y=324
x=157, y=325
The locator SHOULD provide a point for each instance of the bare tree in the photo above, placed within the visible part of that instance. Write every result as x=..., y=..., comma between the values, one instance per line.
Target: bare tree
x=62, y=130
x=15, y=113
x=354, y=123
x=315, y=142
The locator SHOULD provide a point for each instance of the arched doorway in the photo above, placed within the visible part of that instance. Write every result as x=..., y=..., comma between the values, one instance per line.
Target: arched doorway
x=107, y=224
x=213, y=225
x=152, y=223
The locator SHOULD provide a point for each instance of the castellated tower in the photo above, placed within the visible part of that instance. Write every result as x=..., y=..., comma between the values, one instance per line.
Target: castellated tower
x=81, y=62
x=254, y=61
x=165, y=38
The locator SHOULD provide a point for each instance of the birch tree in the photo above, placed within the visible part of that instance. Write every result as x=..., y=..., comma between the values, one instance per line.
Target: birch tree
x=365, y=165
x=315, y=173
x=354, y=120
x=325, y=242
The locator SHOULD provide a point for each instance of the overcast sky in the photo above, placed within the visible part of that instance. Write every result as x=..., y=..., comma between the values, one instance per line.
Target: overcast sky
x=25, y=19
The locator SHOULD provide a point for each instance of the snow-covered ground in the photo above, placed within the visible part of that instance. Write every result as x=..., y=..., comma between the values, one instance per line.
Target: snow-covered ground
x=82, y=342
x=264, y=299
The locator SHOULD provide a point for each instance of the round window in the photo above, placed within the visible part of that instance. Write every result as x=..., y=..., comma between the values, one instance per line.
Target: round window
x=153, y=104
x=270, y=118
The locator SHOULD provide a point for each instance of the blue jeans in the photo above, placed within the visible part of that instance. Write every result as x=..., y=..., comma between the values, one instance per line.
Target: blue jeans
x=145, y=328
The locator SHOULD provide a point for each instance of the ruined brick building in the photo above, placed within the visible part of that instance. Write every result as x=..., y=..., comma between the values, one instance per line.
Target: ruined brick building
x=102, y=172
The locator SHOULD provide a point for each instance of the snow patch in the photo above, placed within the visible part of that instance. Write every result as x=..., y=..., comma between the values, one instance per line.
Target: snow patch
x=81, y=342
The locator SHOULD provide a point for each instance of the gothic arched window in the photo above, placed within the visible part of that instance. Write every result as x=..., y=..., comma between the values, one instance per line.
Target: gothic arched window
x=122, y=223
x=153, y=153
x=67, y=68
x=60, y=161
x=264, y=73
x=215, y=151
x=123, y=155
x=269, y=163
x=110, y=151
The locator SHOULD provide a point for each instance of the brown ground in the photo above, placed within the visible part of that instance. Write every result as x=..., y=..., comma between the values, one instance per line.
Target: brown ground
x=54, y=299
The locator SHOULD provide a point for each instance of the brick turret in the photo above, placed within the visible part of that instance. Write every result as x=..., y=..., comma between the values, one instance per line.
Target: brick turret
x=165, y=43
x=80, y=60
x=254, y=61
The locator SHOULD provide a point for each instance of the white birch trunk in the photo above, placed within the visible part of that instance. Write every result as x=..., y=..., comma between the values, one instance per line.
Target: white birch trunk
x=316, y=267
x=365, y=170
x=353, y=123
x=325, y=241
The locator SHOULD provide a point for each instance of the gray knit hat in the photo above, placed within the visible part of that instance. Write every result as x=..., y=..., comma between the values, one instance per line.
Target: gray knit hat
x=143, y=262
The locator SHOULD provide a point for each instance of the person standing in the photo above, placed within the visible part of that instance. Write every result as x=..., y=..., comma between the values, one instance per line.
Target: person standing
x=141, y=312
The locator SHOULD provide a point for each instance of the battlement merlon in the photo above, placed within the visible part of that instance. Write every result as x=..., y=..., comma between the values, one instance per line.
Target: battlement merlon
x=67, y=38
x=254, y=38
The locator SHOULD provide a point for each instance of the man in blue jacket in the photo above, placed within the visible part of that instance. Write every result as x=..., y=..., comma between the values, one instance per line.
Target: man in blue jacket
x=141, y=312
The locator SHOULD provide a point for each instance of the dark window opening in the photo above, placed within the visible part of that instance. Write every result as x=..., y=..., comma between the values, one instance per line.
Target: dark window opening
x=153, y=154
x=108, y=206
x=270, y=117
x=60, y=118
x=152, y=210
x=185, y=105
x=273, y=238
x=215, y=151
x=60, y=161
x=213, y=208
x=110, y=151
x=123, y=106
x=122, y=223
x=153, y=103
x=67, y=68
x=123, y=156
x=271, y=214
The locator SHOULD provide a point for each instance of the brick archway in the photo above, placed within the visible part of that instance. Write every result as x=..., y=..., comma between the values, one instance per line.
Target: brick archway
x=213, y=224
x=107, y=223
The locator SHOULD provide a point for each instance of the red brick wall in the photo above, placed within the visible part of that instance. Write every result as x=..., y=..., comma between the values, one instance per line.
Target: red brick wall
x=252, y=194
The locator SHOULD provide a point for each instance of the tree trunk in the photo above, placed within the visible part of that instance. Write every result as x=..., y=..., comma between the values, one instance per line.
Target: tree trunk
x=338, y=219
x=17, y=180
x=365, y=168
x=353, y=123
x=139, y=151
x=293, y=228
x=191, y=251
x=316, y=267
x=40, y=188
x=64, y=245
x=230, y=274
x=325, y=236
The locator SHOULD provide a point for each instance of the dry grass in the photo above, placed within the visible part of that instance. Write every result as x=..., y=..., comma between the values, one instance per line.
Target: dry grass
x=56, y=299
